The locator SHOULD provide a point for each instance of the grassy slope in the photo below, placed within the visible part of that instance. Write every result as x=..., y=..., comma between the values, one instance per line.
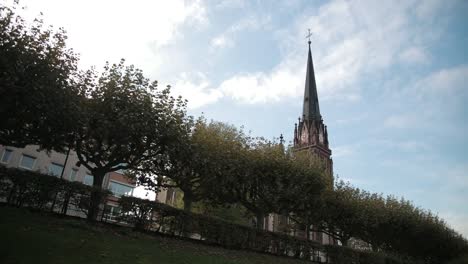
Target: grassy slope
x=32, y=237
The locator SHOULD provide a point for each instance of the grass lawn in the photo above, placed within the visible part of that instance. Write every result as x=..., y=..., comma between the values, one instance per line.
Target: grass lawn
x=35, y=237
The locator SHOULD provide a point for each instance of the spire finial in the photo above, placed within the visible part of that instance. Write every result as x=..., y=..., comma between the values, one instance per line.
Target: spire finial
x=309, y=35
x=281, y=139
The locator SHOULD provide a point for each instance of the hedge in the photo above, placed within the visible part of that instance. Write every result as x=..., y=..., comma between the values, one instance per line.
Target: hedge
x=44, y=192
x=346, y=255
x=23, y=188
x=153, y=216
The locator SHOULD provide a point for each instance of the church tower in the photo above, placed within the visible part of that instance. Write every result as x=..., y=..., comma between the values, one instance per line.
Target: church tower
x=310, y=133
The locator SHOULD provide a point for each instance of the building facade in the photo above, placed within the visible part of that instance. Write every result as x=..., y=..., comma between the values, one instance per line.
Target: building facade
x=53, y=163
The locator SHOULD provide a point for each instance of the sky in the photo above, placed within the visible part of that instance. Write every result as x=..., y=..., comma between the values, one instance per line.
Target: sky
x=391, y=77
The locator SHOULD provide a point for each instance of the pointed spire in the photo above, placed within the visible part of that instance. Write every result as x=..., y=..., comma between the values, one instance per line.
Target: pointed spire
x=311, y=110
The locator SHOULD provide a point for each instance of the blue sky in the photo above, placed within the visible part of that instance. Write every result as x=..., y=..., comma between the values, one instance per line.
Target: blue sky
x=391, y=77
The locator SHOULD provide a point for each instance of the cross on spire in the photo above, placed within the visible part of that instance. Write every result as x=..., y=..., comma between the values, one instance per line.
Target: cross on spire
x=309, y=35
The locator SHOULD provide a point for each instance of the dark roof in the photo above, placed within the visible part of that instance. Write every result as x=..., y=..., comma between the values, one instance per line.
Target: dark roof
x=311, y=109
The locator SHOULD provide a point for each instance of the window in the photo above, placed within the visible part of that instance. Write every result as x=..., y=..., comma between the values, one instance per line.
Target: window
x=121, y=171
x=73, y=174
x=27, y=162
x=55, y=169
x=6, y=155
x=120, y=189
x=111, y=213
x=88, y=179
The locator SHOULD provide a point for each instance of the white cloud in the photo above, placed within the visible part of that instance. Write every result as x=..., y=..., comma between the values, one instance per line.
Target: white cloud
x=445, y=81
x=197, y=89
x=251, y=23
x=426, y=9
x=401, y=121
x=351, y=120
x=231, y=4
x=412, y=146
x=414, y=55
x=262, y=88
x=342, y=151
x=221, y=41
x=339, y=70
x=108, y=30
x=352, y=40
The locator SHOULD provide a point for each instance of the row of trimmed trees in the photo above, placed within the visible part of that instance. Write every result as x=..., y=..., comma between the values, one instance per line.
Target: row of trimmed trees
x=218, y=164
x=118, y=119
x=389, y=224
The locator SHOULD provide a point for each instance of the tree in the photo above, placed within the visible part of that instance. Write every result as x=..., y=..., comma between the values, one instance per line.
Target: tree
x=38, y=101
x=252, y=176
x=234, y=213
x=343, y=212
x=418, y=233
x=200, y=153
x=181, y=167
x=126, y=120
x=260, y=184
x=303, y=197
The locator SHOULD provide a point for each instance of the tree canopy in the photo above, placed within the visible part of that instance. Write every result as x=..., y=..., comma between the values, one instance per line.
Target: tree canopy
x=125, y=120
x=38, y=98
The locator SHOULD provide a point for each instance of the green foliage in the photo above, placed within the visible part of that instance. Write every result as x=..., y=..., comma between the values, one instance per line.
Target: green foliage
x=256, y=174
x=343, y=215
x=233, y=213
x=126, y=121
x=303, y=196
x=390, y=225
x=38, y=97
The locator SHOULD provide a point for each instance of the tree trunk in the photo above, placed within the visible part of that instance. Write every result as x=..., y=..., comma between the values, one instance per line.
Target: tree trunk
x=344, y=241
x=307, y=231
x=96, y=196
x=260, y=219
x=188, y=199
x=66, y=202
